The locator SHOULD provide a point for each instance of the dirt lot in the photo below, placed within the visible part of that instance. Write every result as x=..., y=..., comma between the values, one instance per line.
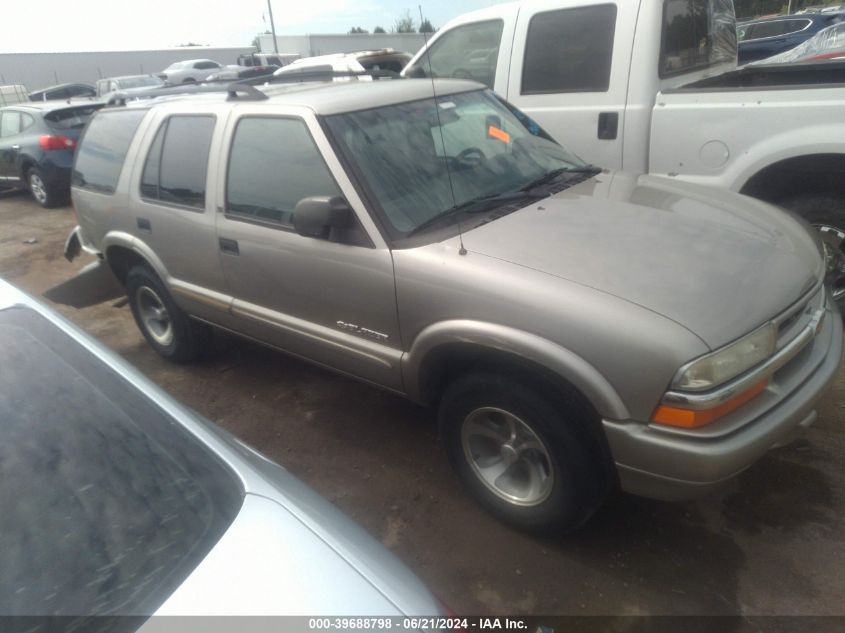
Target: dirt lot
x=772, y=543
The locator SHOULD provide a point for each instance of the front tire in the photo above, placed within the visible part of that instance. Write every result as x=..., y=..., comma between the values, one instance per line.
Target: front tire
x=530, y=460
x=826, y=212
x=168, y=330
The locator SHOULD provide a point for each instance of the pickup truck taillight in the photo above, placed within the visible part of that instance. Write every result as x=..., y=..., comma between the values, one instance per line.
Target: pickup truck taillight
x=50, y=142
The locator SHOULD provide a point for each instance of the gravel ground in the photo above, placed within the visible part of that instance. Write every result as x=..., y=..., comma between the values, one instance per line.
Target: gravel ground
x=772, y=543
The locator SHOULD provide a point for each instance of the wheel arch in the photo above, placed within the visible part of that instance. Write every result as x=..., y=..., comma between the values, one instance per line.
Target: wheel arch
x=123, y=251
x=806, y=173
x=441, y=352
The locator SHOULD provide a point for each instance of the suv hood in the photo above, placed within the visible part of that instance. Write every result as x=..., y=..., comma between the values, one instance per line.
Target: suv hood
x=716, y=262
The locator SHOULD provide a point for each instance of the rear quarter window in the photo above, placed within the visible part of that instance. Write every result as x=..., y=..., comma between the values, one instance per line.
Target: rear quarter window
x=102, y=149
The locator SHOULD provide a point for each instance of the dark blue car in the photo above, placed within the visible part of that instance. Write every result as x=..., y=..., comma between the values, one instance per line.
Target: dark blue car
x=37, y=143
x=759, y=39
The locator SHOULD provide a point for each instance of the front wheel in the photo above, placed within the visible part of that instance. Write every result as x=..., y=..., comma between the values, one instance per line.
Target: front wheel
x=168, y=330
x=531, y=461
x=826, y=212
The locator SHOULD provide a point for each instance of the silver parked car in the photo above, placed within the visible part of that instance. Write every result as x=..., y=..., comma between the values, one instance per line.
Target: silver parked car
x=118, y=501
x=575, y=328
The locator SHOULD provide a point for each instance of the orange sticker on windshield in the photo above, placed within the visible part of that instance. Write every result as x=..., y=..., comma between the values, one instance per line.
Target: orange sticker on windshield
x=494, y=132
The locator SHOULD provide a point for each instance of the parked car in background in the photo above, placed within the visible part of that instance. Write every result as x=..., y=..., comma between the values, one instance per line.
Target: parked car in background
x=126, y=84
x=189, y=70
x=63, y=91
x=759, y=39
x=384, y=59
x=648, y=86
x=236, y=73
x=37, y=144
x=827, y=44
x=267, y=59
x=118, y=500
x=13, y=93
x=573, y=327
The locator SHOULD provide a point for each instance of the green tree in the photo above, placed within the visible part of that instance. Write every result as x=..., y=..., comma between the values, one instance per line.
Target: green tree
x=405, y=24
x=378, y=29
x=357, y=29
x=426, y=26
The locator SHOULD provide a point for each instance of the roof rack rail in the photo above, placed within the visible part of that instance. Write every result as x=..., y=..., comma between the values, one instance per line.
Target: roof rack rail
x=299, y=76
x=232, y=88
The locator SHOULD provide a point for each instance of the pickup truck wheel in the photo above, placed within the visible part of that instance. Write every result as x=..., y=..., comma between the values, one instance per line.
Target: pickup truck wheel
x=168, y=330
x=826, y=212
x=529, y=462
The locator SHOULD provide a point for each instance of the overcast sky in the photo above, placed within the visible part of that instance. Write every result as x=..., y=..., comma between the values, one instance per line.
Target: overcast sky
x=91, y=25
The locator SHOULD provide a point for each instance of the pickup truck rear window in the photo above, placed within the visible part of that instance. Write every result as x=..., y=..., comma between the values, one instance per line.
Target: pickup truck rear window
x=569, y=50
x=696, y=34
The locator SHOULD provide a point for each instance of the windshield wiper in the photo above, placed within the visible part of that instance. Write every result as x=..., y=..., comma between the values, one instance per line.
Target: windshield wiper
x=475, y=205
x=550, y=176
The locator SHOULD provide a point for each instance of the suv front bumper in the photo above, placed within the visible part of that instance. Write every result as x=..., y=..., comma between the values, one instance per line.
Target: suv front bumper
x=664, y=463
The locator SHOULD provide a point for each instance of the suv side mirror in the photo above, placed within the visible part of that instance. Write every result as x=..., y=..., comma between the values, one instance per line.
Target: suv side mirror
x=322, y=216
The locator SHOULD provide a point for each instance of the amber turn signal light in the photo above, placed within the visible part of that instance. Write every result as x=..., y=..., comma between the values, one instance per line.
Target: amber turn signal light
x=692, y=419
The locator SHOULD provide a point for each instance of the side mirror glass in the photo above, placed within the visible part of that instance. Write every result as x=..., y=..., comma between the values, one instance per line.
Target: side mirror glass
x=322, y=216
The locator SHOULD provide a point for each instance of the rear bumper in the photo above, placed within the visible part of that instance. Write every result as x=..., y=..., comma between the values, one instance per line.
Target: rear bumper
x=663, y=463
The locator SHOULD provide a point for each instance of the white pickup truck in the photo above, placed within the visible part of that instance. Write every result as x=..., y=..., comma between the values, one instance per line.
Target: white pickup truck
x=652, y=86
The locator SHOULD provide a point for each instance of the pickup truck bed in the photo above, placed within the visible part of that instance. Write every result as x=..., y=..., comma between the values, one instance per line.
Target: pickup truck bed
x=773, y=76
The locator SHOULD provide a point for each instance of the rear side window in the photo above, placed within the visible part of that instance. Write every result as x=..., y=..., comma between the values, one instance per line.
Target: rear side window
x=177, y=164
x=569, y=50
x=774, y=29
x=10, y=123
x=102, y=149
x=470, y=51
x=273, y=165
x=697, y=34
x=26, y=121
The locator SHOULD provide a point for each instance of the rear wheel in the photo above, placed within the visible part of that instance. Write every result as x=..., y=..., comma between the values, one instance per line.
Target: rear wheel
x=531, y=461
x=826, y=212
x=168, y=330
x=44, y=194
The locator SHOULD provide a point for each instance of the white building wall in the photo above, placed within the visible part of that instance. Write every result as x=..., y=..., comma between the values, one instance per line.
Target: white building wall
x=310, y=45
x=39, y=70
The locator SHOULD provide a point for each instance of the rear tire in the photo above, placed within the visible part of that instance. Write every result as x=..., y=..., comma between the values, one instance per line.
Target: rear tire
x=826, y=212
x=168, y=330
x=43, y=194
x=531, y=461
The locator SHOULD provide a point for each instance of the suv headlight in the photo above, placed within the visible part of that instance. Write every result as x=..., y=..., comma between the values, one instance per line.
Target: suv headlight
x=729, y=362
x=713, y=370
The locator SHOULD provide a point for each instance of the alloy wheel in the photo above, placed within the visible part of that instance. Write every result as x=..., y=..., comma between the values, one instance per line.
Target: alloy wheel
x=154, y=316
x=507, y=456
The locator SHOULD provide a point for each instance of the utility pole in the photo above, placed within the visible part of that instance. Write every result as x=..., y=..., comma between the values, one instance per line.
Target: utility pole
x=273, y=27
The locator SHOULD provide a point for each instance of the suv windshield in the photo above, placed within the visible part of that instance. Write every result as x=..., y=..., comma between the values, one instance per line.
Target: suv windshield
x=424, y=158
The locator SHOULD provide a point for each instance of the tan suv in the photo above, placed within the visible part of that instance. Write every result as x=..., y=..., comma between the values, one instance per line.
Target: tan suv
x=576, y=328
